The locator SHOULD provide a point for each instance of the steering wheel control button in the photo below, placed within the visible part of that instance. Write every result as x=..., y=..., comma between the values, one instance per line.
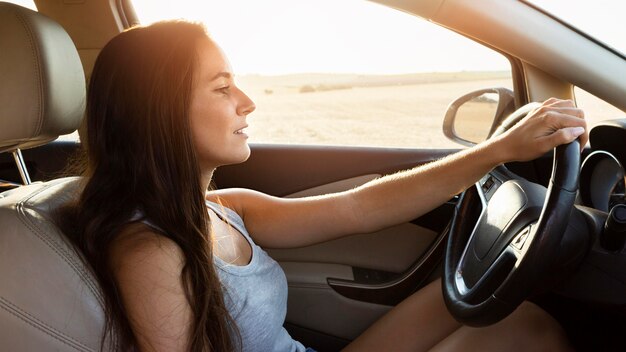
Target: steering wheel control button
x=486, y=186
x=520, y=239
x=614, y=234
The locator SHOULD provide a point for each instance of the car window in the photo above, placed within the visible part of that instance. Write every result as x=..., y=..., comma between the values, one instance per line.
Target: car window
x=25, y=3
x=596, y=109
x=344, y=72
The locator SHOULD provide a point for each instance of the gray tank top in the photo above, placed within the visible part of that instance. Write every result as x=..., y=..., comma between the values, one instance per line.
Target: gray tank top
x=254, y=294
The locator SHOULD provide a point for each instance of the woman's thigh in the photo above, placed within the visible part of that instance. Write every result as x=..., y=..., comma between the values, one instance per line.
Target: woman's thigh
x=422, y=323
x=416, y=324
x=528, y=328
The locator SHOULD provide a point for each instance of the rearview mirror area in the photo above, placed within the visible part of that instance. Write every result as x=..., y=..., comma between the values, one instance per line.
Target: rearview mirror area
x=473, y=117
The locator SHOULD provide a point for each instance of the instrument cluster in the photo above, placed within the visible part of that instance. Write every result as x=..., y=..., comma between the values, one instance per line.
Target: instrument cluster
x=602, y=176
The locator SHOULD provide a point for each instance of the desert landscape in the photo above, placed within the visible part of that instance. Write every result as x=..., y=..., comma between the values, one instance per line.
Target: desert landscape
x=369, y=110
x=400, y=111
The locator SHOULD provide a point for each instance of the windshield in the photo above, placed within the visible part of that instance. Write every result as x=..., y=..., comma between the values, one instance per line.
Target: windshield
x=601, y=19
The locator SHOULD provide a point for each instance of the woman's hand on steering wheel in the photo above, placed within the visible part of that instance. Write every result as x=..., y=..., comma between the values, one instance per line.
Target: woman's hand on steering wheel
x=553, y=123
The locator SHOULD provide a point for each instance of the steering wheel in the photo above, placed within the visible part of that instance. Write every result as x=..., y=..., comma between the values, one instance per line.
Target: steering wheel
x=505, y=234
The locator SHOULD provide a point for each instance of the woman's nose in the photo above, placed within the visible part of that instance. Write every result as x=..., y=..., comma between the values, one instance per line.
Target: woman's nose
x=246, y=106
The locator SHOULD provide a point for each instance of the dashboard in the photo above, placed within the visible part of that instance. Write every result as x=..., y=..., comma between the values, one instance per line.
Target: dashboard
x=602, y=175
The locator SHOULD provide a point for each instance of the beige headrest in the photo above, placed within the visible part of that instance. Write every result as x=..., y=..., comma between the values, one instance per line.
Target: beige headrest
x=42, y=84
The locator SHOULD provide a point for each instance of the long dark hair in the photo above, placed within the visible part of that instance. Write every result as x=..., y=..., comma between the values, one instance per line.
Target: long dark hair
x=140, y=156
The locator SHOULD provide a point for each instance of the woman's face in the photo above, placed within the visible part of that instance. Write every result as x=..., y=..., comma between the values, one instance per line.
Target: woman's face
x=218, y=111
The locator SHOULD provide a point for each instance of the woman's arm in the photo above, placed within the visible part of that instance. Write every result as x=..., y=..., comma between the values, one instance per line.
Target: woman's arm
x=148, y=268
x=282, y=223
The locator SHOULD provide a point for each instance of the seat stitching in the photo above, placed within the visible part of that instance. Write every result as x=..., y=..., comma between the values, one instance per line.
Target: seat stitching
x=40, y=325
x=79, y=267
x=82, y=274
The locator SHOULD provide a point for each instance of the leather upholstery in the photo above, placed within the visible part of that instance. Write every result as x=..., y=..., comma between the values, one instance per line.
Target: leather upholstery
x=42, y=84
x=49, y=300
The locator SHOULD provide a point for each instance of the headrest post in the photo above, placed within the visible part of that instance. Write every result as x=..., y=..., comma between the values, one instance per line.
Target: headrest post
x=21, y=166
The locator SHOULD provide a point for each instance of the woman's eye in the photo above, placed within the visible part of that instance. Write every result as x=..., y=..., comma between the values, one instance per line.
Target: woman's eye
x=223, y=90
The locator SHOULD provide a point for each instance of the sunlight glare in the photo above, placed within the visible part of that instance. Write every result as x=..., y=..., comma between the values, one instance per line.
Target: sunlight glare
x=329, y=36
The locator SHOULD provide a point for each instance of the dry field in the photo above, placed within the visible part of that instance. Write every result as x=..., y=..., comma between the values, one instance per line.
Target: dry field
x=368, y=110
x=393, y=111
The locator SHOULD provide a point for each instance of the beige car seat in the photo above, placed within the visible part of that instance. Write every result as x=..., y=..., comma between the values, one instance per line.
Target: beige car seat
x=49, y=300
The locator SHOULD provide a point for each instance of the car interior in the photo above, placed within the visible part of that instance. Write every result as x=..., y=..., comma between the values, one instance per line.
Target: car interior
x=49, y=300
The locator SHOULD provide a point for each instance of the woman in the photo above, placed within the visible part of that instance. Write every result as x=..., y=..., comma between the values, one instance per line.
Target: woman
x=176, y=263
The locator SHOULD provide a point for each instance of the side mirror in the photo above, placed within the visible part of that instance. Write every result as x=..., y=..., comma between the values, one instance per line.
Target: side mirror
x=473, y=117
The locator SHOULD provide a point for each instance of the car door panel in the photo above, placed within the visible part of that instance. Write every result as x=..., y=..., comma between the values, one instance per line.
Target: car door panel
x=390, y=250
x=323, y=310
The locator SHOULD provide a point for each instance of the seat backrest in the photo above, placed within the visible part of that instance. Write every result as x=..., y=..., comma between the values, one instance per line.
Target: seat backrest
x=49, y=300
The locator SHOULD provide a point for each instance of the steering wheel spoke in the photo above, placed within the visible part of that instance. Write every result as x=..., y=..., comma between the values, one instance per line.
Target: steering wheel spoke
x=489, y=280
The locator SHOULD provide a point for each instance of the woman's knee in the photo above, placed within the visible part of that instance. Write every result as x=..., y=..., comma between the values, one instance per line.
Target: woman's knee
x=537, y=329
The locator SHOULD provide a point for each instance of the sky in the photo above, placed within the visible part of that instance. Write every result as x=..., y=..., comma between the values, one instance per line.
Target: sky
x=330, y=36
x=356, y=36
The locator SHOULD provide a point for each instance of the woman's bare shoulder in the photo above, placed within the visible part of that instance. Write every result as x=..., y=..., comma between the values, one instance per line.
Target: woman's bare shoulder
x=137, y=243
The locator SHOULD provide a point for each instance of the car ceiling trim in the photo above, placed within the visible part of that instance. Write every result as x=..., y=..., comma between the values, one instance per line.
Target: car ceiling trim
x=119, y=6
x=575, y=29
x=127, y=13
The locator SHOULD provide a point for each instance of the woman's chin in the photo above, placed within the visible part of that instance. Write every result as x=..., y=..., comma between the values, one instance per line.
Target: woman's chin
x=240, y=157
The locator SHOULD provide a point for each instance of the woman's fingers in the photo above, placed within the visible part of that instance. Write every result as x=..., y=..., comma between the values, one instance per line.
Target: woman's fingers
x=559, y=102
x=570, y=120
x=545, y=111
x=569, y=110
x=562, y=136
x=560, y=117
x=557, y=119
